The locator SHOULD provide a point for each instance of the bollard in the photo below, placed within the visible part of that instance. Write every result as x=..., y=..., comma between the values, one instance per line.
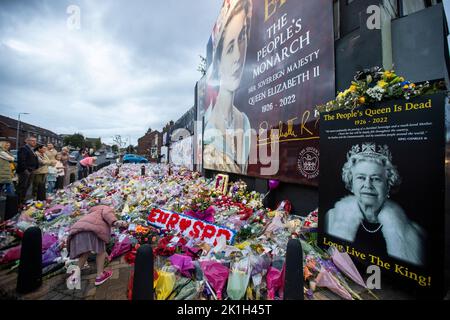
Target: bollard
x=11, y=206
x=2, y=208
x=293, y=281
x=30, y=268
x=72, y=178
x=41, y=192
x=143, y=170
x=143, y=274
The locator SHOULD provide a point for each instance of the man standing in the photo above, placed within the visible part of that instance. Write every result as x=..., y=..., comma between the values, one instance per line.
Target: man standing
x=51, y=152
x=27, y=162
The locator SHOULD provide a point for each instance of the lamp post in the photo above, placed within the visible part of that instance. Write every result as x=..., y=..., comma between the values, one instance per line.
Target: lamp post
x=18, y=130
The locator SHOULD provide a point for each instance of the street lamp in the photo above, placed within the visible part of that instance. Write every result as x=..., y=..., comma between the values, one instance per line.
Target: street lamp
x=18, y=129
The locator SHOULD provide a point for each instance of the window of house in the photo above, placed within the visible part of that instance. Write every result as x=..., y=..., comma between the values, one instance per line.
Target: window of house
x=411, y=6
x=391, y=7
x=337, y=21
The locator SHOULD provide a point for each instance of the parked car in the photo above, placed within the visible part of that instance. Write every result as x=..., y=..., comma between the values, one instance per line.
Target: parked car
x=97, y=153
x=110, y=155
x=133, y=158
x=73, y=157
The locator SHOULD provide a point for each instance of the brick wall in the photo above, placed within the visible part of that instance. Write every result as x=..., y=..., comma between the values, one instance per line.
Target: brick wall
x=146, y=143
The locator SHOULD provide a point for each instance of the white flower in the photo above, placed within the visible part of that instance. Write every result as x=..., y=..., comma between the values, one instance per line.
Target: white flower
x=376, y=93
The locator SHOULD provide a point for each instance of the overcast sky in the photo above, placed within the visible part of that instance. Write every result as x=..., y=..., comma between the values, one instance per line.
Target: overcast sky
x=132, y=64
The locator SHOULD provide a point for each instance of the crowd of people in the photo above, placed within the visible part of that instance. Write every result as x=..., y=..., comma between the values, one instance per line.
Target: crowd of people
x=38, y=166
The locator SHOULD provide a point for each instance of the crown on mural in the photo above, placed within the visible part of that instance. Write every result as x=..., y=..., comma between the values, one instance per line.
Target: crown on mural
x=369, y=149
x=310, y=163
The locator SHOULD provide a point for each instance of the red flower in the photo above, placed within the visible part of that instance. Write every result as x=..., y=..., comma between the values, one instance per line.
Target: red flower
x=130, y=257
x=246, y=213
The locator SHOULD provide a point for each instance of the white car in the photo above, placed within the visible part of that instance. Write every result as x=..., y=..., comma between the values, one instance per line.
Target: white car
x=110, y=155
x=97, y=153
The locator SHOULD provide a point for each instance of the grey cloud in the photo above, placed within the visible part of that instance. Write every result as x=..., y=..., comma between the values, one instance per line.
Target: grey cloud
x=131, y=66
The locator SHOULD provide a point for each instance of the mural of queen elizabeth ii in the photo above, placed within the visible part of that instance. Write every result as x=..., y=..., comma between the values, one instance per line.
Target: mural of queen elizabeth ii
x=368, y=216
x=227, y=135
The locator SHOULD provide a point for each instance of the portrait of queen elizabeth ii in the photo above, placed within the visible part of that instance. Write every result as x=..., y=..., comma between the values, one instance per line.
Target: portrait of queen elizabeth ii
x=369, y=217
x=227, y=129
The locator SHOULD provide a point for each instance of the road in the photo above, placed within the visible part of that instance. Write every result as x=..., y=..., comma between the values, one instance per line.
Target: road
x=73, y=167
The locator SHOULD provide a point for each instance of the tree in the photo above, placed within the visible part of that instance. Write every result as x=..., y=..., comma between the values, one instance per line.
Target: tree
x=88, y=144
x=119, y=141
x=115, y=148
x=130, y=149
x=202, y=65
x=98, y=144
x=75, y=140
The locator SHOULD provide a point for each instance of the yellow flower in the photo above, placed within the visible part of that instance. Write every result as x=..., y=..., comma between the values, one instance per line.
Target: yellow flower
x=401, y=79
x=352, y=88
x=382, y=84
x=388, y=74
x=242, y=245
x=362, y=100
x=406, y=86
x=413, y=85
x=340, y=95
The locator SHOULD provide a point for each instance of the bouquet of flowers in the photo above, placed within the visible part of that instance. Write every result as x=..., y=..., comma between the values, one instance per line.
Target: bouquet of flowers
x=375, y=85
x=320, y=271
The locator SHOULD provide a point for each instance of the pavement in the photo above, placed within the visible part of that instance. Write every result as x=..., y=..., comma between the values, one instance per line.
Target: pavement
x=55, y=288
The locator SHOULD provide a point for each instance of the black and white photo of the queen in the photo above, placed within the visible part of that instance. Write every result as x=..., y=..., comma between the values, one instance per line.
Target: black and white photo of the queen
x=369, y=217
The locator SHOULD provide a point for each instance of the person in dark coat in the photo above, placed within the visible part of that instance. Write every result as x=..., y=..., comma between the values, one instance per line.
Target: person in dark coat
x=27, y=162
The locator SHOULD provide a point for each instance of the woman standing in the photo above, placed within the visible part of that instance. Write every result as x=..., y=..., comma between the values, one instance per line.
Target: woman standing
x=40, y=174
x=6, y=163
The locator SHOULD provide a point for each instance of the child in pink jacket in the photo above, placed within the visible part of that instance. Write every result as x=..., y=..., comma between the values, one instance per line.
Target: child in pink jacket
x=90, y=234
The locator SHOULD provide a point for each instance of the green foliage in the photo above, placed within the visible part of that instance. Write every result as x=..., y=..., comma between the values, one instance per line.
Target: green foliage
x=76, y=140
x=98, y=144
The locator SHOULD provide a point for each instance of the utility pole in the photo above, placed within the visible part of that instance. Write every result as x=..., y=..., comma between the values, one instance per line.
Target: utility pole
x=18, y=130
